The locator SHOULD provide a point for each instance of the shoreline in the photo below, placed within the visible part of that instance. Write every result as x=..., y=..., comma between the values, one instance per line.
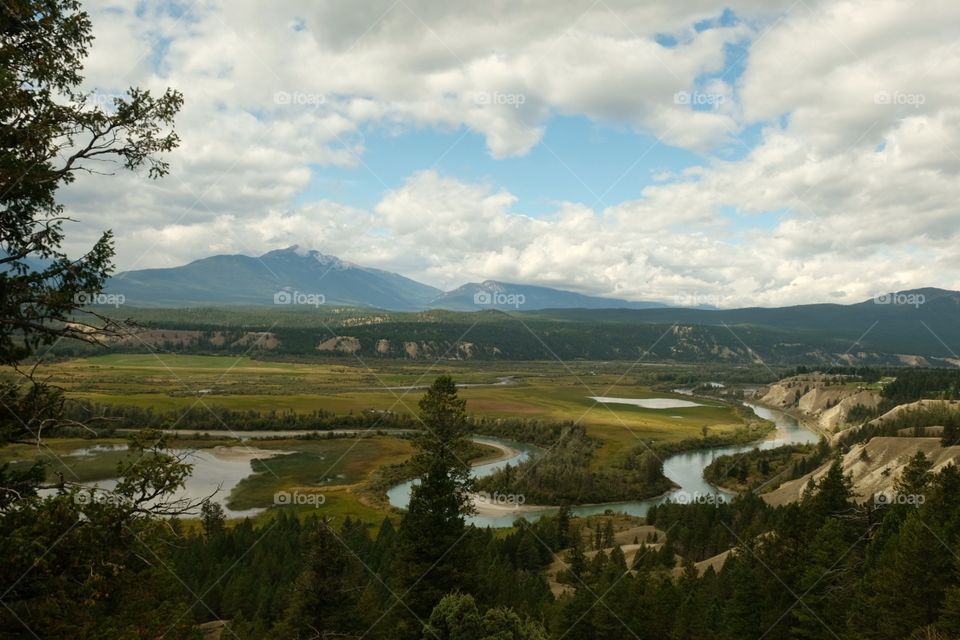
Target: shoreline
x=506, y=451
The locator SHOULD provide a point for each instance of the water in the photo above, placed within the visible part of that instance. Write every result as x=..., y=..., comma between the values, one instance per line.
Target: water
x=684, y=469
x=649, y=403
x=89, y=452
x=214, y=473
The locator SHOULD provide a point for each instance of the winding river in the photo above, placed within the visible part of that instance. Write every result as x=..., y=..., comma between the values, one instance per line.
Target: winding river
x=684, y=469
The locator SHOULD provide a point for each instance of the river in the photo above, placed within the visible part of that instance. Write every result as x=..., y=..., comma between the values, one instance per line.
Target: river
x=684, y=469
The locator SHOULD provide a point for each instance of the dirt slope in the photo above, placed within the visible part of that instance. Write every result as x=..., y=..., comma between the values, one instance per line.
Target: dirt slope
x=823, y=398
x=875, y=466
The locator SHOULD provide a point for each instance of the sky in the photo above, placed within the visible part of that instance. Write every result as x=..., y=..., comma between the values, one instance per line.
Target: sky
x=750, y=152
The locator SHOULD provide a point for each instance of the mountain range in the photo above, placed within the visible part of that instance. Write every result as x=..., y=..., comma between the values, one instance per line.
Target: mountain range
x=296, y=278
x=394, y=316
x=294, y=275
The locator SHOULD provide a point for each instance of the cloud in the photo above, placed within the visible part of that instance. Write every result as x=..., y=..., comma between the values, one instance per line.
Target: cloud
x=845, y=126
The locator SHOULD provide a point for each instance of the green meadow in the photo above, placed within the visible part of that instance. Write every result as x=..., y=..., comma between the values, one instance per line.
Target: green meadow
x=543, y=390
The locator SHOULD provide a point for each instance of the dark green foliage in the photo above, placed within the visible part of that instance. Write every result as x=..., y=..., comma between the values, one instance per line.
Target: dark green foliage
x=456, y=617
x=85, y=563
x=325, y=597
x=824, y=567
x=760, y=468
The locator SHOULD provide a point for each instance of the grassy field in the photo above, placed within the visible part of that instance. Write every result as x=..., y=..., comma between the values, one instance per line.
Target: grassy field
x=315, y=466
x=338, y=469
x=78, y=459
x=544, y=390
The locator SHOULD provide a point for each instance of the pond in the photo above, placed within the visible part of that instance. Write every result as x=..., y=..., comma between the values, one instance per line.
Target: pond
x=648, y=403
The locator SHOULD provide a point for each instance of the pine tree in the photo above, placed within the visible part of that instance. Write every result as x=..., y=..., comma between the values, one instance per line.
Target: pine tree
x=831, y=495
x=909, y=579
x=915, y=477
x=608, y=536
x=324, y=598
x=431, y=555
x=577, y=560
x=563, y=527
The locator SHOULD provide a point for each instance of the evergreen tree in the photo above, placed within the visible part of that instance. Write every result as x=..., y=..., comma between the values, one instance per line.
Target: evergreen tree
x=324, y=599
x=456, y=617
x=563, y=527
x=915, y=477
x=431, y=555
x=608, y=536
x=577, y=560
x=832, y=495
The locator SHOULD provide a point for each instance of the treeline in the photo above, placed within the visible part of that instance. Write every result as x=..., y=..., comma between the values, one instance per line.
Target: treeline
x=493, y=336
x=214, y=418
x=260, y=578
x=106, y=417
x=909, y=386
x=530, y=430
x=915, y=419
x=906, y=385
x=565, y=473
x=916, y=384
x=700, y=530
x=751, y=432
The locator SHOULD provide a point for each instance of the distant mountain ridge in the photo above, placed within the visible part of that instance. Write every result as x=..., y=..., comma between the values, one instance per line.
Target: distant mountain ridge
x=282, y=276
x=295, y=275
x=504, y=295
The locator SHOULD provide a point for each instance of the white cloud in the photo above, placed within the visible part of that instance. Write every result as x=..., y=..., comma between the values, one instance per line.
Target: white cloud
x=858, y=152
